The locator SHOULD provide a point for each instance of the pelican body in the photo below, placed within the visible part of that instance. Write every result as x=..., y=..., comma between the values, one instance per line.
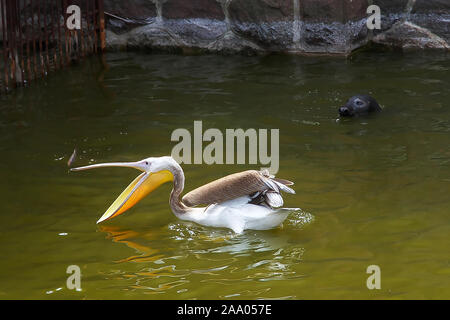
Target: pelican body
x=246, y=200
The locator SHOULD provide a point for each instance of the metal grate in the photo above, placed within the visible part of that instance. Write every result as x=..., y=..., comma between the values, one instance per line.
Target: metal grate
x=35, y=39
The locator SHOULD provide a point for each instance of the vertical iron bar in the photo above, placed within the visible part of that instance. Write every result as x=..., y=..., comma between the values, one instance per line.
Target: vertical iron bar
x=27, y=39
x=59, y=11
x=33, y=32
x=19, y=53
x=5, y=42
x=51, y=36
x=69, y=43
x=53, y=15
x=22, y=41
x=101, y=14
x=76, y=34
x=88, y=31
x=67, y=32
x=82, y=45
x=94, y=18
x=8, y=42
x=64, y=12
x=11, y=37
x=40, y=39
x=46, y=35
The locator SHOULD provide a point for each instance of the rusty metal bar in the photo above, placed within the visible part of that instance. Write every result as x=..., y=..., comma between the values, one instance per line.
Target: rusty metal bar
x=94, y=18
x=12, y=36
x=21, y=43
x=59, y=10
x=102, y=31
x=8, y=44
x=47, y=58
x=83, y=53
x=53, y=35
x=33, y=38
x=66, y=38
x=18, y=34
x=4, y=42
x=88, y=26
x=27, y=41
x=37, y=40
x=19, y=52
x=41, y=58
x=77, y=43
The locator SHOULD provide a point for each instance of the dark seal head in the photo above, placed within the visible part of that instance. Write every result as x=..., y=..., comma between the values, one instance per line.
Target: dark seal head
x=359, y=105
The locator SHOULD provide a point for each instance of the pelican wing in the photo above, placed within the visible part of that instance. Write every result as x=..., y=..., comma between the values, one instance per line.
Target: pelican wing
x=246, y=183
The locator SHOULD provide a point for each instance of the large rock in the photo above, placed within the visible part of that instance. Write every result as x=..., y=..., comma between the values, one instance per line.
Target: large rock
x=182, y=9
x=333, y=11
x=389, y=7
x=131, y=9
x=267, y=22
x=433, y=15
x=407, y=35
x=322, y=11
x=130, y=14
x=153, y=38
x=435, y=6
x=231, y=43
x=428, y=27
x=355, y=9
x=333, y=26
x=257, y=11
x=327, y=26
x=197, y=22
x=308, y=26
x=196, y=33
x=437, y=24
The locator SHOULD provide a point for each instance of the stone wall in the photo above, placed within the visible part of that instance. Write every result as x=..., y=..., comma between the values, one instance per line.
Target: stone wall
x=298, y=26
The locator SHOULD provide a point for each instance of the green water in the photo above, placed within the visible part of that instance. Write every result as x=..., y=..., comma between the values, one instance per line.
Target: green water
x=373, y=191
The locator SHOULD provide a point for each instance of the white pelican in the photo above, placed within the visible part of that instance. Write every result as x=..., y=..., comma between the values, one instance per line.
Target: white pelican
x=246, y=200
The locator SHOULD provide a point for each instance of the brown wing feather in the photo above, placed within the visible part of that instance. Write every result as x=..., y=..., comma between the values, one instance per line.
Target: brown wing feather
x=227, y=188
x=284, y=181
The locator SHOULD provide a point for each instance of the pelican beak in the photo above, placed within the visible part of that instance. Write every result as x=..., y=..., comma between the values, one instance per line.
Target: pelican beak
x=145, y=183
x=136, y=165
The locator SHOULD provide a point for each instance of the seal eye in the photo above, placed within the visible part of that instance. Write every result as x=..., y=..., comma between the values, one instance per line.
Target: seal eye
x=146, y=162
x=359, y=102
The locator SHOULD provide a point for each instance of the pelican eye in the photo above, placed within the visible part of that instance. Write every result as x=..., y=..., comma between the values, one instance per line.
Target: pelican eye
x=146, y=163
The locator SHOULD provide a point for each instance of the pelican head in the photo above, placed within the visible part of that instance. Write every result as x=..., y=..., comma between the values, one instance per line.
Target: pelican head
x=155, y=172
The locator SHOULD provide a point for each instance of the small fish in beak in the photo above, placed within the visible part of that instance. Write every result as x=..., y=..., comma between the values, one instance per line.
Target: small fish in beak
x=72, y=158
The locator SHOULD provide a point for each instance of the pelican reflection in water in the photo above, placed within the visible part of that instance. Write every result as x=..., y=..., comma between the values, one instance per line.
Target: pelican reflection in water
x=246, y=200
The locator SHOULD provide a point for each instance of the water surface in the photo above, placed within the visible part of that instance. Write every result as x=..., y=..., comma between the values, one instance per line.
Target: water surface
x=373, y=191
